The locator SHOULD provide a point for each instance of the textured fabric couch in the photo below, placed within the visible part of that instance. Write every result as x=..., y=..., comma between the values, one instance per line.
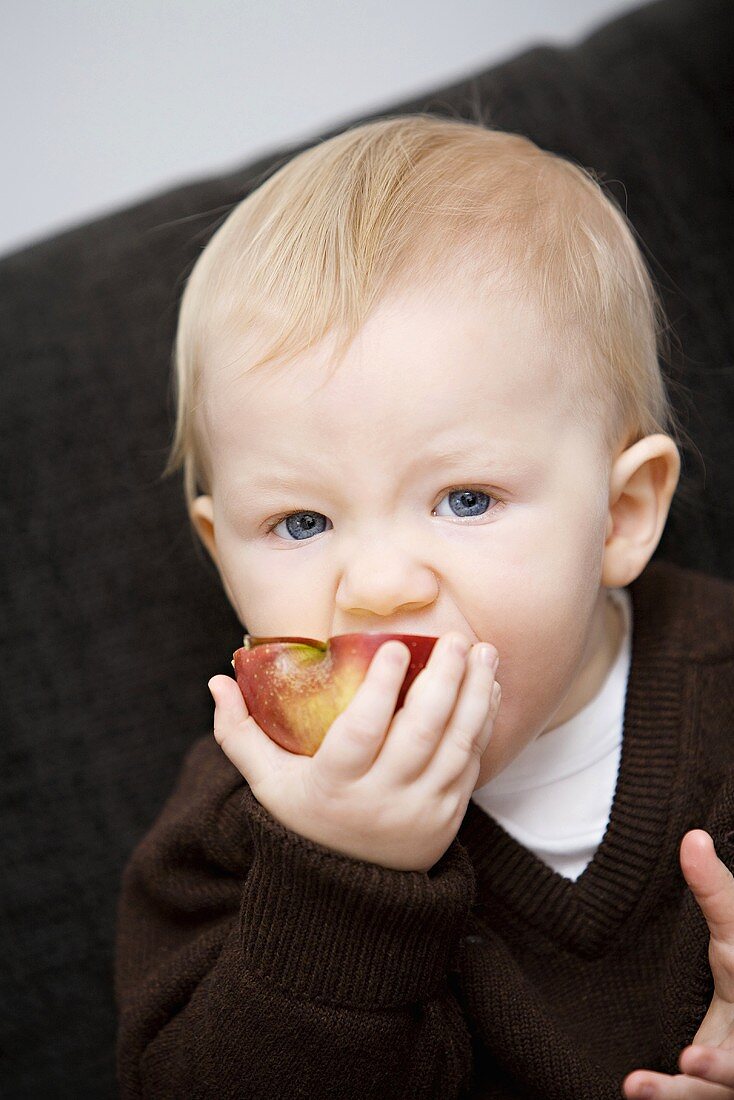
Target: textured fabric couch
x=112, y=618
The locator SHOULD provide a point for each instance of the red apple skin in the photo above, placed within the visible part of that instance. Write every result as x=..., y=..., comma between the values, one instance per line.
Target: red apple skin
x=294, y=688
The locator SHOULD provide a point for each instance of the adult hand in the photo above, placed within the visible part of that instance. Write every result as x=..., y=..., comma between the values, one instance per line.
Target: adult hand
x=707, y=1065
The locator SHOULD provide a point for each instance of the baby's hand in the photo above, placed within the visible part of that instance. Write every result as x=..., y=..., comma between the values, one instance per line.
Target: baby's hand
x=389, y=790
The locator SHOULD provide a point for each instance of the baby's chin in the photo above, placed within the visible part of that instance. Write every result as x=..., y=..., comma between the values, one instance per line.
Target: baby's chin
x=495, y=758
x=502, y=749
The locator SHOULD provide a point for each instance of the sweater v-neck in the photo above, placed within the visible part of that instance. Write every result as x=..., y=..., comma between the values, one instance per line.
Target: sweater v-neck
x=642, y=832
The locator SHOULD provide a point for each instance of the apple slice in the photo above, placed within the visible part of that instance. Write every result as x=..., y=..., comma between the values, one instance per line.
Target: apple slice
x=294, y=688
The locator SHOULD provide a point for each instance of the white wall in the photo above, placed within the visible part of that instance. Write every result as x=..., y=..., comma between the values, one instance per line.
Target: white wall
x=107, y=101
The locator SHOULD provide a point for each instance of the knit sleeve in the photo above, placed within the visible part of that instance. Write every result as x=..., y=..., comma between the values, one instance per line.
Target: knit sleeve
x=254, y=962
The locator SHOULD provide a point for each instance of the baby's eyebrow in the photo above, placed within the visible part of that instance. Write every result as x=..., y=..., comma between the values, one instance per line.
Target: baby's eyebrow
x=281, y=480
x=285, y=477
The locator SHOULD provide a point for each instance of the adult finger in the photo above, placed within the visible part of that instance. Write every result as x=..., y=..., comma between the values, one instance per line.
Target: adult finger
x=712, y=884
x=647, y=1085
x=711, y=1063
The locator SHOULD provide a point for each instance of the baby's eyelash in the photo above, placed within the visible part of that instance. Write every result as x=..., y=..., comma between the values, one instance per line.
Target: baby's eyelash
x=501, y=503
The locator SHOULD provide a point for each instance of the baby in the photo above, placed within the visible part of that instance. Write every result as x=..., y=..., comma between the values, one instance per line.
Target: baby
x=419, y=392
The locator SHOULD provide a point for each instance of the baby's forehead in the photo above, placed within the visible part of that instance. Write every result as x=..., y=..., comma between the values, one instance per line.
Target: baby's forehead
x=411, y=345
x=376, y=407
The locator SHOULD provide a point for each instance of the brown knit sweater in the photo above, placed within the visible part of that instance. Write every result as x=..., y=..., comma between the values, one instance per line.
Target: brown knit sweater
x=254, y=963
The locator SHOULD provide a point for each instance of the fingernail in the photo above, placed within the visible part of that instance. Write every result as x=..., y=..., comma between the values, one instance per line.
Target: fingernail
x=490, y=657
x=211, y=690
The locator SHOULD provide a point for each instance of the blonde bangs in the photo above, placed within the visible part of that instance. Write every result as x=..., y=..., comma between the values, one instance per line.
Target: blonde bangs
x=419, y=202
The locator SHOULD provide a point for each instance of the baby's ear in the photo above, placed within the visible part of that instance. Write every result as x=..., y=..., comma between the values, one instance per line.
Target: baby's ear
x=642, y=483
x=201, y=512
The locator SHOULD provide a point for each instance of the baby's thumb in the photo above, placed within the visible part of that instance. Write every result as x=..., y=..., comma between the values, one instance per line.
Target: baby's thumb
x=238, y=735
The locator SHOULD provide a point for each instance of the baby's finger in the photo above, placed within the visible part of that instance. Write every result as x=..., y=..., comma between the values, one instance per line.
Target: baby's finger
x=238, y=735
x=471, y=725
x=354, y=738
x=421, y=723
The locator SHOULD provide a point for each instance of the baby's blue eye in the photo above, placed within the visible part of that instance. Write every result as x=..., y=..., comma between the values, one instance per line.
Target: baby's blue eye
x=471, y=499
x=301, y=525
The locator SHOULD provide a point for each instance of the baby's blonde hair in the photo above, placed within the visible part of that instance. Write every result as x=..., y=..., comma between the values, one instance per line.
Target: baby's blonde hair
x=421, y=202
